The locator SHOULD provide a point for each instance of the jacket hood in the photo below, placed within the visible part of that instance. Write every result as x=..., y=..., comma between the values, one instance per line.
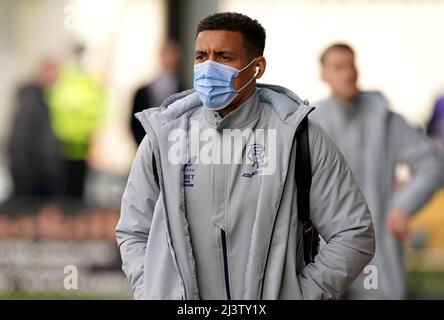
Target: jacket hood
x=286, y=104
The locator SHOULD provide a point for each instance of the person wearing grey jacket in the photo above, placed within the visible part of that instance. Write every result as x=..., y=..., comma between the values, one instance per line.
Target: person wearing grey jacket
x=374, y=140
x=210, y=208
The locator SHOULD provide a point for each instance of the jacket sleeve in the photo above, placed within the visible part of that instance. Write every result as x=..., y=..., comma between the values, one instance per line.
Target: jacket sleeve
x=136, y=213
x=414, y=149
x=342, y=218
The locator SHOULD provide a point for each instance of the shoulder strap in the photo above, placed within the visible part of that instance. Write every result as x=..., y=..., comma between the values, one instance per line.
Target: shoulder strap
x=156, y=175
x=310, y=236
x=303, y=171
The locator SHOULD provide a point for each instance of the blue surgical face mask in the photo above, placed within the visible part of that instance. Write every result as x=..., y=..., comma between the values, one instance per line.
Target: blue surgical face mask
x=214, y=83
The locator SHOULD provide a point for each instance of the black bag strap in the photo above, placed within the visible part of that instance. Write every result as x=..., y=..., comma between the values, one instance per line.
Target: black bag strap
x=156, y=175
x=303, y=184
x=303, y=171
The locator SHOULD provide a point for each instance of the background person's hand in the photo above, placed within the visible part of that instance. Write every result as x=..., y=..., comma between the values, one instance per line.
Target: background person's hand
x=398, y=223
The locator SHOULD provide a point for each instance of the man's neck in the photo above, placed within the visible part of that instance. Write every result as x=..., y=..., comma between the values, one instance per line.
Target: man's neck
x=344, y=102
x=237, y=103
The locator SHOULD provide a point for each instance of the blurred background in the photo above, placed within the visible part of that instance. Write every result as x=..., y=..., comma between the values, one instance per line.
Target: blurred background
x=74, y=71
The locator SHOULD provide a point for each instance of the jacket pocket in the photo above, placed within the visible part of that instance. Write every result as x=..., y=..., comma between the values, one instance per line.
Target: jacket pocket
x=162, y=278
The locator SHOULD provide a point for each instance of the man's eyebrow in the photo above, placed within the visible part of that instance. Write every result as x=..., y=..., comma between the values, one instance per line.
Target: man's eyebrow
x=222, y=52
x=225, y=52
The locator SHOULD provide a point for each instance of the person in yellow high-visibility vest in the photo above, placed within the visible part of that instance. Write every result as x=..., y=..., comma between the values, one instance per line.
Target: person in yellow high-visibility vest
x=77, y=105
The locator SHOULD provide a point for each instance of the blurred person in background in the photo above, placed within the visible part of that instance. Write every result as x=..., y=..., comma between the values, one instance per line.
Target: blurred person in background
x=373, y=140
x=36, y=166
x=166, y=83
x=77, y=104
x=196, y=230
x=435, y=126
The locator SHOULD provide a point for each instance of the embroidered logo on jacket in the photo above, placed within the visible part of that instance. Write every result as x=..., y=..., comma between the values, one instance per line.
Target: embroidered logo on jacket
x=256, y=156
x=188, y=174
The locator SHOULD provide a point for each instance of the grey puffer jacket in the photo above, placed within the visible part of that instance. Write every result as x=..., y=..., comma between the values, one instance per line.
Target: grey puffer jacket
x=154, y=237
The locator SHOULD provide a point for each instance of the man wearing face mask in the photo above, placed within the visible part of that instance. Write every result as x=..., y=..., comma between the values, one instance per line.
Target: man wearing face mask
x=218, y=229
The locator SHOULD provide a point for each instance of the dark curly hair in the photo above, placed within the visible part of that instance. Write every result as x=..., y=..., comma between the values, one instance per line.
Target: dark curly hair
x=252, y=30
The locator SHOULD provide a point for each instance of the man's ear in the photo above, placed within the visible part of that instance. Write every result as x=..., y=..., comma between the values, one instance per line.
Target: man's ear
x=324, y=76
x=261, y=63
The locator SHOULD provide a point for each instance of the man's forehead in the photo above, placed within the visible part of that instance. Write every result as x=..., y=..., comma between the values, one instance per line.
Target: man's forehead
x=338, y=56
x=339, y=53
x=219, y=40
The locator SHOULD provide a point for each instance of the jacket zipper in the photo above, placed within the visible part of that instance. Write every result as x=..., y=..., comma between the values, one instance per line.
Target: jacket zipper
x=226, y=274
